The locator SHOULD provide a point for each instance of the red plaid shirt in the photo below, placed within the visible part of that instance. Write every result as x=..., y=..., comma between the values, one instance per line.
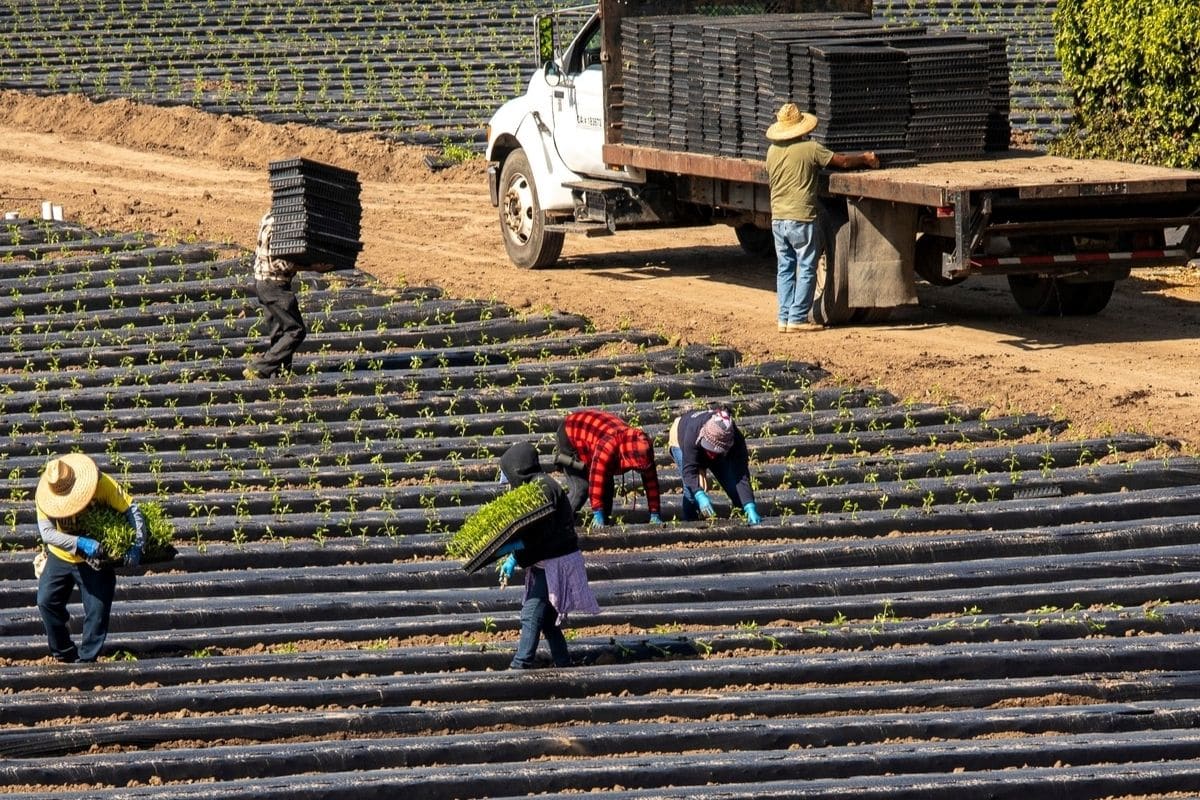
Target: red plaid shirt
x=609, y=446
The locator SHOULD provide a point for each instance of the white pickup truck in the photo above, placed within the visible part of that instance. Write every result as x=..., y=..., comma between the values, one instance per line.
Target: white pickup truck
x=1062, y=230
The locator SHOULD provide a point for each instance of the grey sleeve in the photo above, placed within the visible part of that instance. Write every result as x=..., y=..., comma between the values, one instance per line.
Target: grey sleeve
x=53, y=536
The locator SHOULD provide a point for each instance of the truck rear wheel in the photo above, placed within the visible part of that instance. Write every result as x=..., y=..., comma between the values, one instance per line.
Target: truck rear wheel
x=927, y=260
x=1053, y=297
x=522, y=223
x=756, y=241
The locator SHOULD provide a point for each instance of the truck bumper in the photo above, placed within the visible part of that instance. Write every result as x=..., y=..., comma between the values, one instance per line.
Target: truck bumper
x=493, y=178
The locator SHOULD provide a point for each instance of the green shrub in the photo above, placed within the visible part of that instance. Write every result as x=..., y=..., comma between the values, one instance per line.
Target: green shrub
x=1133, y=66
x=109, y=527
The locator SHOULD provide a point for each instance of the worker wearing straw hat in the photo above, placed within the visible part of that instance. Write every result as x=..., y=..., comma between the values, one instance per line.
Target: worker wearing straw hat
x=67, y=486
x=793, y=165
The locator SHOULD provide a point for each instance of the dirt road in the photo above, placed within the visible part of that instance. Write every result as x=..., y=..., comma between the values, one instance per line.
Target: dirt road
x=181, y=173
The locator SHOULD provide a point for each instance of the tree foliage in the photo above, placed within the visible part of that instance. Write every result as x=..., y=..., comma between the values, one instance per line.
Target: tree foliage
x=1134, y=66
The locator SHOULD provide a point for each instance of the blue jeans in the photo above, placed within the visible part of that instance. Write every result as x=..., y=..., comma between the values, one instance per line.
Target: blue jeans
x=97, y=588
x=797, y=248
x=538, y=617
x=725, y=474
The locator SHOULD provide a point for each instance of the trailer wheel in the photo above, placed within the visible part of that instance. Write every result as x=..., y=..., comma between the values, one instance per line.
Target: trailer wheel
x=522, y=223
x=831, y=305
x=927, y=260
x=1053, y=297
x=756, y=241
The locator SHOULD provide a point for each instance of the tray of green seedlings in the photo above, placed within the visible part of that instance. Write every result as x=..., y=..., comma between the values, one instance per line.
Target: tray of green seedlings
x=109, y=527
x=497, y=523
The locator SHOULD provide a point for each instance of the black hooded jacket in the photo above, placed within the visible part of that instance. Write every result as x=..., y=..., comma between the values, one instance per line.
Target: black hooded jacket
x=552, y=536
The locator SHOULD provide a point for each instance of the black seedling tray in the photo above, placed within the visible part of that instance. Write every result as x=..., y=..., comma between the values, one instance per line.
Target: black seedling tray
x=488, y=553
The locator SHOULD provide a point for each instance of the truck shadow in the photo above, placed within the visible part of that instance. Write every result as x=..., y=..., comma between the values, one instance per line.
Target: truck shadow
x=1143, y=308
x=724, y=265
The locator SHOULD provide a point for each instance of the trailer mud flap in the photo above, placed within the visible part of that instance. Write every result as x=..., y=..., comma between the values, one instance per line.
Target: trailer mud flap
x=869, y=247
x=882, y=242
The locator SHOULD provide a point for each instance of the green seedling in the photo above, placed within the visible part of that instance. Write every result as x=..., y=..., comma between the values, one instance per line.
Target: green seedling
x=109, y=527
x=494, y=518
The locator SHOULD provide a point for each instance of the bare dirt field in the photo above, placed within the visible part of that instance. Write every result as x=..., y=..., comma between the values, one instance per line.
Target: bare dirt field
x=182, y=173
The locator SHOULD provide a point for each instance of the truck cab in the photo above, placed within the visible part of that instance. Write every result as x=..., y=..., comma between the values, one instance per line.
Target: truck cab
x=550, y=139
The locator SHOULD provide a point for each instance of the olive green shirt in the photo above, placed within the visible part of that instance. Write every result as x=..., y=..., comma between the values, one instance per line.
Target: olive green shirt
x=793, y=167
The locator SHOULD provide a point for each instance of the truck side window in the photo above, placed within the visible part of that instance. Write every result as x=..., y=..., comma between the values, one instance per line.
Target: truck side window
x=588, y=55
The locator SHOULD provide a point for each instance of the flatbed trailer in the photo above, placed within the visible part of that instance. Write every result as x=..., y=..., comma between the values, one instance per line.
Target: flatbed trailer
x=1062, y=230
x=1047, y=222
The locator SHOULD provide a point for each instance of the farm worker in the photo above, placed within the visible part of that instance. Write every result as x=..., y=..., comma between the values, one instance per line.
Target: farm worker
x=273, y=279
x=67, y=486
x=593, y=447
x=793, y=164
x=708, y=440
x=555, y=576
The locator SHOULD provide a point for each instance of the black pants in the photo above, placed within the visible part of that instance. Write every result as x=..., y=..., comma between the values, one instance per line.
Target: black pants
x=96, y=587
x=286, y=326
x=577, y=473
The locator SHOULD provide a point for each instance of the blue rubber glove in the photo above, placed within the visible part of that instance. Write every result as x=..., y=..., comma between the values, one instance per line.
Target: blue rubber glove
x=706, y=507
x=511, y=547
x=89, y=547
x=655, y=519
x=751, y=514
x=597, y=519
x=133, y=556
x=507, y=568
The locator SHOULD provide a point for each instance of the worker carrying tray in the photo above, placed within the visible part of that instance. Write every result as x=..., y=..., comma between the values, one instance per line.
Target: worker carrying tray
x=485, y=534
x=317, y=214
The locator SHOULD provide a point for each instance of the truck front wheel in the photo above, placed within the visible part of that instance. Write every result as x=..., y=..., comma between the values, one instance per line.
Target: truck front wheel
x=1053, y=297
x=522, y=223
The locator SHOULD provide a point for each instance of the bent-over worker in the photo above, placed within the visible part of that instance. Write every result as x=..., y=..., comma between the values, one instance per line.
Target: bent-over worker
x=67, y=486
x=593, y=447
x=708, y=440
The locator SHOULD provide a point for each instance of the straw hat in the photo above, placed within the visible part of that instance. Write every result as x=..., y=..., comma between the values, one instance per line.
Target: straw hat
x=791, y=123
x=67, y=485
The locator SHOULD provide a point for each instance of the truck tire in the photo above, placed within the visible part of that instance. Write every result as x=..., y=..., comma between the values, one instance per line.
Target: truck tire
x=1052, y=297
x=756, y=241
x=927, y=260
x=522, y=223
x=831, y=304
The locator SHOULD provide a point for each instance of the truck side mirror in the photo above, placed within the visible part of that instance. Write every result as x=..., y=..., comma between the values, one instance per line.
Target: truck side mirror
x=553, y=75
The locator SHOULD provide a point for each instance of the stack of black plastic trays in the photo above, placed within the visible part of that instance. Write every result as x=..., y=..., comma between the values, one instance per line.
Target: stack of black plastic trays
x=783, y=69
x=685, y=80
x=710, y=102
x=860, y=97
x=999, y=126
x=677, y=126
x=637, y=56
x=657, y=90
x=950, y=98
x=318, y=214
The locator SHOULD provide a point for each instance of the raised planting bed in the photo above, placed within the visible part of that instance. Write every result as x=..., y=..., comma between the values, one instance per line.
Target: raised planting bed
x=939, y=602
